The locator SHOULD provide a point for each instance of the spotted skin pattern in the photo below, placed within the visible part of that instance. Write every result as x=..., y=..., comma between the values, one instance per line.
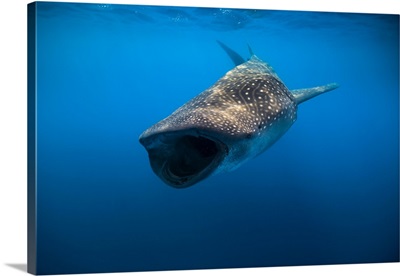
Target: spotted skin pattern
x=247, y=100
x=236, y=119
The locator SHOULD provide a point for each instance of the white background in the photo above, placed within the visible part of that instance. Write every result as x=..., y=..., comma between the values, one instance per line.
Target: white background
x=13, y=132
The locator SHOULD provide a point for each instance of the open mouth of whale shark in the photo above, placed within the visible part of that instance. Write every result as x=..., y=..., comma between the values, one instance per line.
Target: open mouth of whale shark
x=181, y=159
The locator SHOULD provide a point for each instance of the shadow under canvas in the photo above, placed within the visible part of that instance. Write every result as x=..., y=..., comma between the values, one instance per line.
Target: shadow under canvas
x=20, y=267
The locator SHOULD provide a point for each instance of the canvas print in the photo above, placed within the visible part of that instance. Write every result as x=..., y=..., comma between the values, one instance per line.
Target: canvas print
x=172, y=138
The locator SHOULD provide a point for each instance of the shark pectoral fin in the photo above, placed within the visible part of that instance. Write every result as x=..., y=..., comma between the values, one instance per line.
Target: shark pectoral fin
x=305, y=94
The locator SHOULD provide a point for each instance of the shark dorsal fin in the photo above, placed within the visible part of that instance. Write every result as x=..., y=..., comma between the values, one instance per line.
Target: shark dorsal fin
x=250, y=50
x=235, y=57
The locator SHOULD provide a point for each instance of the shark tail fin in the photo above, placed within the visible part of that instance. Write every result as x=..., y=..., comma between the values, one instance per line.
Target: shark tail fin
x=302, y=95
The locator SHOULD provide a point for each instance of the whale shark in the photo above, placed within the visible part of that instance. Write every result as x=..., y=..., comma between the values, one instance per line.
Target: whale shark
x=239, y=117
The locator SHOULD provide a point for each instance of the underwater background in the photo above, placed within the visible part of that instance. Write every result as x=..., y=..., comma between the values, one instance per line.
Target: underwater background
x=326, y=193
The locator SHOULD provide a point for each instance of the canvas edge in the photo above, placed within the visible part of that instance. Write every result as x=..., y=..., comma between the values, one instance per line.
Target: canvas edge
x=31, y=158
x=32, y=139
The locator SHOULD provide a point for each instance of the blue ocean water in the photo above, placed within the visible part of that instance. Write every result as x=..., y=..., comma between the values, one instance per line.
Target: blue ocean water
x=327, y=192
